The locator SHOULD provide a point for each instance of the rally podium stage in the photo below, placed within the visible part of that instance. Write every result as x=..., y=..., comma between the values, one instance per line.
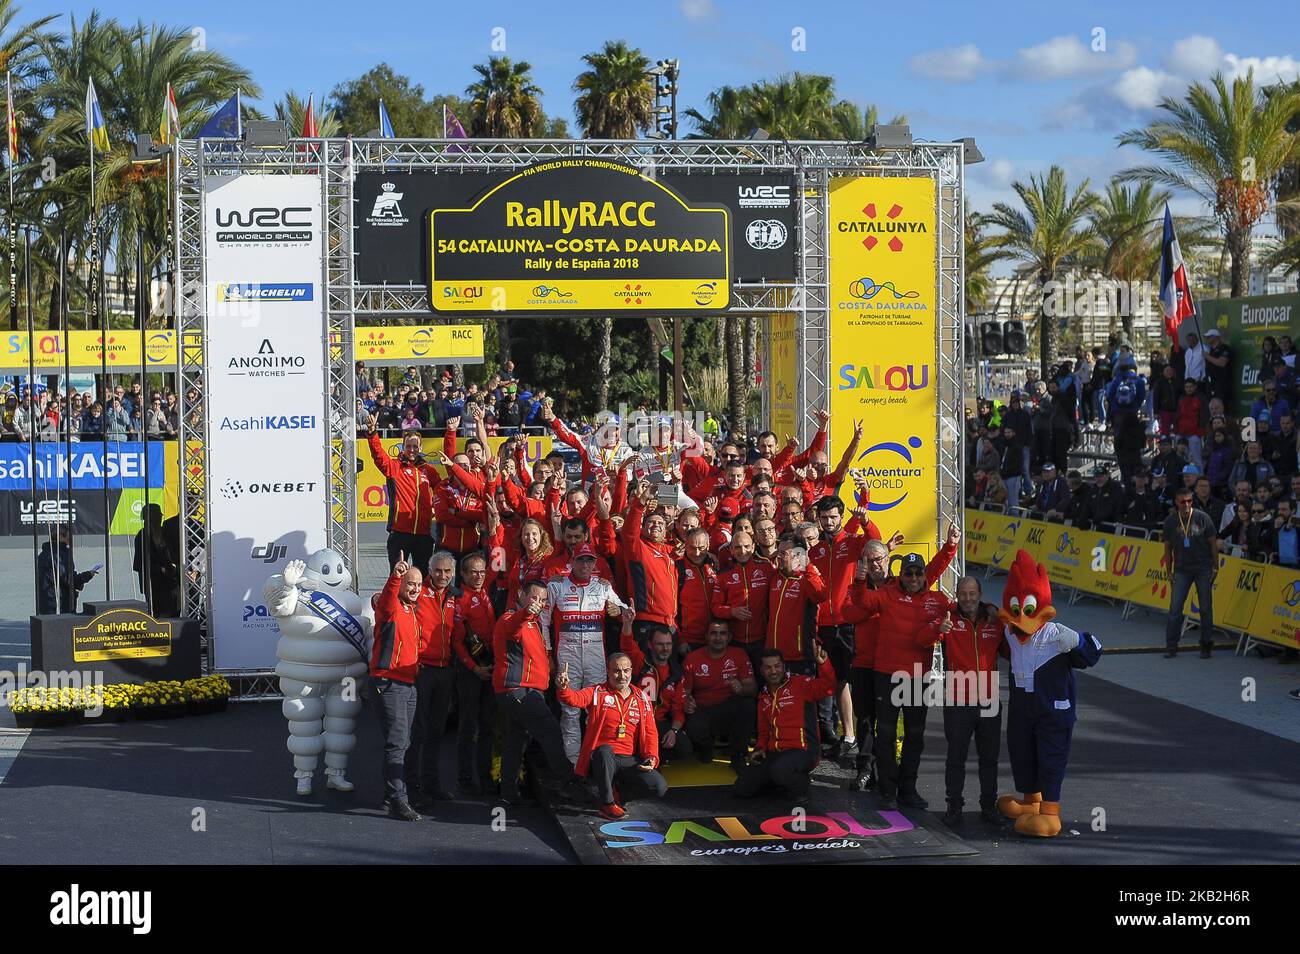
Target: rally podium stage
x=701, y=822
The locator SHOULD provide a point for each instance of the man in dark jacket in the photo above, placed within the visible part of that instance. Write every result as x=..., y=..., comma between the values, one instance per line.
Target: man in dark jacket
x=1078, y=509
x=1053, y=494
x=57, y=574
x=1107, y=503
x=1144, y=508
x=1012, y=463
x=1016, y=417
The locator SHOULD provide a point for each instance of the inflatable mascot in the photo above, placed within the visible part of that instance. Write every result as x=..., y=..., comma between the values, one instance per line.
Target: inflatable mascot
x=325, y=633
x=1040, y=718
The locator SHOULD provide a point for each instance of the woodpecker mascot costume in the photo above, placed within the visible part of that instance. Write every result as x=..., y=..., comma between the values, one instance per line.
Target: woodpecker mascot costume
x=1040, y=720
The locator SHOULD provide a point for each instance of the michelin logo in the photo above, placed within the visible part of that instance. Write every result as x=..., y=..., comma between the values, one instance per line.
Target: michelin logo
x=272, y=291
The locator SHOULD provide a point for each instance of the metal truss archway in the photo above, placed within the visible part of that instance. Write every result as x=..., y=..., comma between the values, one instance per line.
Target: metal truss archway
x=813, y=164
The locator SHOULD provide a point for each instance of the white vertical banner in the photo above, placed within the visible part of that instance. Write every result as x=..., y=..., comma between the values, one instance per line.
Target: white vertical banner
x=264, y=398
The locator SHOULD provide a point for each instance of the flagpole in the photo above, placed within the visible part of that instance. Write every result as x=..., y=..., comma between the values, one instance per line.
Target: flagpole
x=67, y=383
x=13, y=239
x=31, y=440
x=444, y=120
x=146, y=536
x=99, y=317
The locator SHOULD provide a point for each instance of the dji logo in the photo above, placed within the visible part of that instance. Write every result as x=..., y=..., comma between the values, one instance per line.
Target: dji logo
x=271, y=553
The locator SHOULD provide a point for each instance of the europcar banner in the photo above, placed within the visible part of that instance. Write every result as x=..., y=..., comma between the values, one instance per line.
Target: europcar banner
x=579, y=235
x=883, y=255
x=267, y=484
x=1244, y=324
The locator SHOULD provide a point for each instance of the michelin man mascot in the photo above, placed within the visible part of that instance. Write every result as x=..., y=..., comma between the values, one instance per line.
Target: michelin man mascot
x=1041, y=714
x=325, y=633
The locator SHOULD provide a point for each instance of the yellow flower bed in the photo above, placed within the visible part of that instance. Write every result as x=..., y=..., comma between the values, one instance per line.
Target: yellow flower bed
x=118, y=697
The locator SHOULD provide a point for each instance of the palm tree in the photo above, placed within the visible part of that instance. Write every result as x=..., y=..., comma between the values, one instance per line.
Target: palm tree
x=293, y=110
x=727, y=116
x=1129, y=224
x=505, y=103
x=853, y=125
x=615, y=101
x=1050, y=235
x=981, y=253
x=131, y=67
x=1228, y=147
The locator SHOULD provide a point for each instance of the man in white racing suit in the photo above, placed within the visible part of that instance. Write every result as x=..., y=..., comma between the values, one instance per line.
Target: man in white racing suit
x=577, y=604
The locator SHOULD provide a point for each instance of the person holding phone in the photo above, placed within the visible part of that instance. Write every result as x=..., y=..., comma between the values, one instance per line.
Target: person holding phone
x=60, y=583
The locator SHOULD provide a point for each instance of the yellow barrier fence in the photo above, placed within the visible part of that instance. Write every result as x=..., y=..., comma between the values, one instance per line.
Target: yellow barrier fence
x=1260, y=600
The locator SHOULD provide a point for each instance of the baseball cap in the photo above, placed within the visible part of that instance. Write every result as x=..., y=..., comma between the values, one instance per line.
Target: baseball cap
x=1048, y=465
x=913, y=561
x=1191, y=469
x=727, y=508
x=1212, y=333
x=1100, y=469
x=1157, y=472
x=584, y=552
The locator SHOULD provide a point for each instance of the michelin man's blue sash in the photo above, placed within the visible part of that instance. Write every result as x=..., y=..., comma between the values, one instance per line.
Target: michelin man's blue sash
x=343, y=622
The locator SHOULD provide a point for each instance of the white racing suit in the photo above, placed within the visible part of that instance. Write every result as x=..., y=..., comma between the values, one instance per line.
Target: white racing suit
x=579, y=632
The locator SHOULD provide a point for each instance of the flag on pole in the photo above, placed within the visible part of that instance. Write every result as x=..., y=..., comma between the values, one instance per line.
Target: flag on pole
x=385, y=124
x=96, y=130
x=1175, y=288
x=452, y=129
x=309, y=120
x=169, y=130
x=225, y=122
x=13, y=121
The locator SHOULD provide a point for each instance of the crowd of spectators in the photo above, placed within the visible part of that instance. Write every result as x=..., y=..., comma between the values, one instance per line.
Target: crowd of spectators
x=130, y=414
x=1171, y=427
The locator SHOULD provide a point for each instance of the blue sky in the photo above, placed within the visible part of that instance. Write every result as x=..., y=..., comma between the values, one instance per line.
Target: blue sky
x=1023, y=78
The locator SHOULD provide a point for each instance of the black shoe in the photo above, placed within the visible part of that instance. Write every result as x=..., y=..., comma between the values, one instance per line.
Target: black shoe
x=990, y=815
x=887, y=803
x=1206, y=652
x=864, y=782
x=469, y=787
x=953, y=815
x=1294, y=694
x=1171, y=654
x=402, y=811
x=848, y=749
x=910, y=798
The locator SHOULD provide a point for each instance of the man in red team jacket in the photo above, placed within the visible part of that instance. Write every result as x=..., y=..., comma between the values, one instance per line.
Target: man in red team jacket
x=392, y=677
x=788, y=746
x=521, y=673
x=972, y=642
x=719, y=694
x=621, y=744
x=475, y=619
x=410, y=483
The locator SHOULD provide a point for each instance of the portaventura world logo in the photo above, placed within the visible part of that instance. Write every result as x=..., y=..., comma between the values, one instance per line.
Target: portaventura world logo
x=745, y=835
x=885, y=472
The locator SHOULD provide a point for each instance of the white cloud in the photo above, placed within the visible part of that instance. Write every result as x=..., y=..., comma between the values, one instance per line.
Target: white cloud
x=1066, y=56
x=1195, y=56
x=958, y=64
x=1142, y=88
x=697, y=10
x=998, y=173
x=1268, y=69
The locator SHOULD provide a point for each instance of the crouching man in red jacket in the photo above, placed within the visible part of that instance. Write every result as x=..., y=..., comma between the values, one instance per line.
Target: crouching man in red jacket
x=789, y=745
x=621, y=743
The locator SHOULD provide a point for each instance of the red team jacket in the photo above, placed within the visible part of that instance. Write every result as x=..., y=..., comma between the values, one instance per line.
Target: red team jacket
x=519, y=658
x=651, y=571
x=410, y=490
x=437, y=615
x=787, y=716
x=705, y=677
x=792, y=613
x=397, y=636
x=744, y=586
x=475, y=619
x=695, y=597
x=604, y=712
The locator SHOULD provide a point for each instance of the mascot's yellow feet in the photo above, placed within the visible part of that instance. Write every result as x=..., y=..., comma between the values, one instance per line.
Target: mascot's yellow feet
x=1012, y=807
x=1045, y=824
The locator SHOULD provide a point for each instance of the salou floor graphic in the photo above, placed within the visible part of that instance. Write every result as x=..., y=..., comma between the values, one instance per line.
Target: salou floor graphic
x=701, y=822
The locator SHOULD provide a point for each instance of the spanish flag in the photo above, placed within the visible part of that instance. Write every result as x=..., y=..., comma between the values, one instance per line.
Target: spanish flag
x=96, y=131
x=13, y=121
x=169, y=130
